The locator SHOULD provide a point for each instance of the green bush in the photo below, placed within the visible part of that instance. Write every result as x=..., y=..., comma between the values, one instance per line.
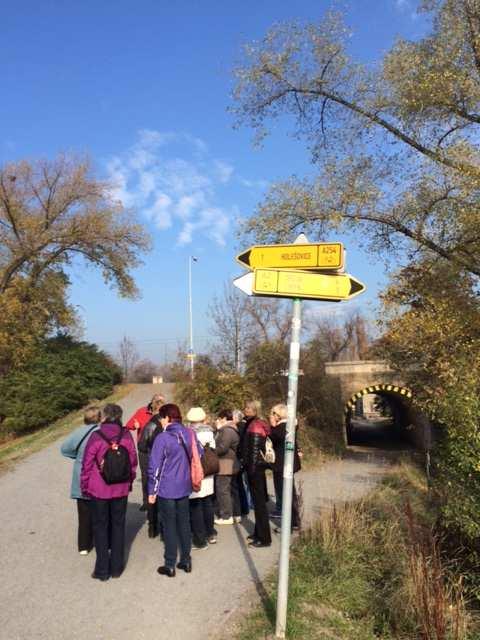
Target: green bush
x=64, y=374
x=212, y=389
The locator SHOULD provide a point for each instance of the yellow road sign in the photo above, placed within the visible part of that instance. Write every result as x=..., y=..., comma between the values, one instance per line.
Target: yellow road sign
x=323, y=255
x=304, y=284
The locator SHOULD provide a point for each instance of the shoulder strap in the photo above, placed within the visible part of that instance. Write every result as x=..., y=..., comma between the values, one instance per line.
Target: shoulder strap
x=85, y=436
x=180, y=441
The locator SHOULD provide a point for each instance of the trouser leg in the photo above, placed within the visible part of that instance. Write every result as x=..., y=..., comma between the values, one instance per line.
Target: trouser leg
x=199, y=533
x=183, y=529
x=262, y=524
x=236, y=509
x=169, y=521
x=85, y=531
x=118, y=510
x=100, y=519
x=278, y=484
x=242, y=492
x=209, y=515
x=295, y=508
x=224, y=496
x=143, y=462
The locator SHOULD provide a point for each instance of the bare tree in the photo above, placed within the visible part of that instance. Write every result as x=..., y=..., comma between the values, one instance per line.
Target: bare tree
x=128, y=356
x=346, y=339
x=240, y=322
x=269, y=320
x=144, y=370
x=230, y=325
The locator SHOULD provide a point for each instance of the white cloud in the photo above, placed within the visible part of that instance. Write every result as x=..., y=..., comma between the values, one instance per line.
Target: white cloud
x=174, y=181
x=254, y=184
x=224, y=171
x=160, y=212
x=407, y=6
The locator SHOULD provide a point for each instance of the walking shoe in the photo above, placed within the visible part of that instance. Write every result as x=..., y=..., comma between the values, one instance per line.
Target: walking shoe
x=101, y=578
x=224, y=520
x=237, y=519
x=117, y=574
x=186, y=566
x=200, y=547
x=258, y=544
x=166, y=571
x=84, y=552
x=212, y=540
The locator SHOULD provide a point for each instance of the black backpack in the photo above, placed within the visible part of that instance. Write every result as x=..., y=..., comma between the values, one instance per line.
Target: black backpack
x=115, y=466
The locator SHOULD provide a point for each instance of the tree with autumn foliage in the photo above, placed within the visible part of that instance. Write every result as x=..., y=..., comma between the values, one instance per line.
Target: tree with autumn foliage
x=50, y=213
x=396, y=146
x=432, y=336
x=398, y=168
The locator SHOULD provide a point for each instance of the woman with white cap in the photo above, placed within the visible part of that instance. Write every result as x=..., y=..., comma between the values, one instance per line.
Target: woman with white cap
x=201, y=502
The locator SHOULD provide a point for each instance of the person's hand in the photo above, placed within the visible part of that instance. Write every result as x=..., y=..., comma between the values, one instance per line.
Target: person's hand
x=300, y=454
x=152, y=499
x=136, y=424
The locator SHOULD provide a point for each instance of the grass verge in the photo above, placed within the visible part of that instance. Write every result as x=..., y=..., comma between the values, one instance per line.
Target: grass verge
x=318, y=445
x=23, y=446
x=371, y=570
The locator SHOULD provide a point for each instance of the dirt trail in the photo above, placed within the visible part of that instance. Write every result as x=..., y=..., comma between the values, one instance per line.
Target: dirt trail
x=45, y=587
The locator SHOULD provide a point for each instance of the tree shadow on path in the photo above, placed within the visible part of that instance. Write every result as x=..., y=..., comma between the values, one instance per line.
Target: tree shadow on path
x=267, y=601
x=135, y=520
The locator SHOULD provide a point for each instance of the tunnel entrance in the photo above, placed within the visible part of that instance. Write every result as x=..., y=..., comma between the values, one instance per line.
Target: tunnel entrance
x=380, y=416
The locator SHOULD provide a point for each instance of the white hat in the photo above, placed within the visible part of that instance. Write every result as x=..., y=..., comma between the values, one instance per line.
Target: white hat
x=196, y=414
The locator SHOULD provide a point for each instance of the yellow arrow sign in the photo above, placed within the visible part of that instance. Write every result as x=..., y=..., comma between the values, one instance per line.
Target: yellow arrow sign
x=323, y=255
x=302, y=284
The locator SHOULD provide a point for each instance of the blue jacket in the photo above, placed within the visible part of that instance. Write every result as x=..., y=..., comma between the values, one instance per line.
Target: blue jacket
x=169, y=473
x=70, y=449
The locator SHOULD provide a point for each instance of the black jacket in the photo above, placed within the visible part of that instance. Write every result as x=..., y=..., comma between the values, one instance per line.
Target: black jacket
x=149, y=433
x=254, y=445
x=277, y=436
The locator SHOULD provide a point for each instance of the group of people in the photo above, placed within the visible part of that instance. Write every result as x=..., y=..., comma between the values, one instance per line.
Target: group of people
x=184, y=515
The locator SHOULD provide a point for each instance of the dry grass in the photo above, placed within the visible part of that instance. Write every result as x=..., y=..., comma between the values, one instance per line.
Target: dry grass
x=373, y=570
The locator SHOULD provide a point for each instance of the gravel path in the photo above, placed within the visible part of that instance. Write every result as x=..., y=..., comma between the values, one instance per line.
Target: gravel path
x=45, y=587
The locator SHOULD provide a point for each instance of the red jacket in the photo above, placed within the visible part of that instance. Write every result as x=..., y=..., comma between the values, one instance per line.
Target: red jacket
x=143, y=416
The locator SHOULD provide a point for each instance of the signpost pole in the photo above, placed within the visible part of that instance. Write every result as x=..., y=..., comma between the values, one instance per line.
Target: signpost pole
x=190, y=317
x=283, y=569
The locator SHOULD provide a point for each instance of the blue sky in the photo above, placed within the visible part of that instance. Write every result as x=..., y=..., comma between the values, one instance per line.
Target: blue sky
x=143, y=87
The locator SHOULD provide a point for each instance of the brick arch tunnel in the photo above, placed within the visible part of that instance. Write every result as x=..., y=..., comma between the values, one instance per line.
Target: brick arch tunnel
x=383, y=415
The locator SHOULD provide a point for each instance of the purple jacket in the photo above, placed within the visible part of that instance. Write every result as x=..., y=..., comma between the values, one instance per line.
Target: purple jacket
x=91, y=482
x=169, y=473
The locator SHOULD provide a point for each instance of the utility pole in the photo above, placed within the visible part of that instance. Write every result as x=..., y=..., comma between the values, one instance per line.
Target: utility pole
x=191, y=353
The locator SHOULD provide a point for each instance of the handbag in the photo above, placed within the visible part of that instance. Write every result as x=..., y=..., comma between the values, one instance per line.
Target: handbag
x=210, y=462
x=269, y=455
x=196, y=468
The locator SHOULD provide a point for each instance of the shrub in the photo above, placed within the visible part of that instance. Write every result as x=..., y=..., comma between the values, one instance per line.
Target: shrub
x=64, y=374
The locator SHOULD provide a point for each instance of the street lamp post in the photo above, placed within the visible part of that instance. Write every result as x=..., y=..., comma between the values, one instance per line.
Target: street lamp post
x=191, y=353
